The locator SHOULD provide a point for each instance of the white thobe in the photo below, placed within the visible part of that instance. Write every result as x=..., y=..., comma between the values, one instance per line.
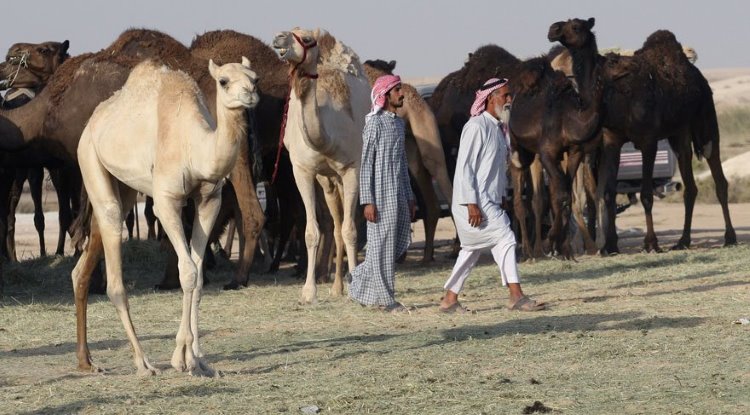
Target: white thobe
x=481, y=179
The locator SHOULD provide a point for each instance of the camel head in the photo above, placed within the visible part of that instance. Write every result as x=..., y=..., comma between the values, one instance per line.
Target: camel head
x=618, y=66
x=29, y=65
x=298, y=47
x=41, y=58
x=574, y=33
x=235, y=84
x=382, y=65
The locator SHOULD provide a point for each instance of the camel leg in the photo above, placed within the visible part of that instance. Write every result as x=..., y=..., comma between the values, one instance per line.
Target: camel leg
x=558, y=199
x=537, y=204
x=518, y=176
x=648, y=154
x=36, y=180
x=81, y=276
x=690, y=192
x=229, y=242
x=252, y=217
x=306, y=185
x=431, y=213
x=587, y=193
x=207, y=206
x=6, y=184
x=327, y=240
x=350, y=194
x=148, y=212
x=104, y=196
x=16, y=188
x=722, y=193
x=64, y=215
x=606, y=196
x=334, y=203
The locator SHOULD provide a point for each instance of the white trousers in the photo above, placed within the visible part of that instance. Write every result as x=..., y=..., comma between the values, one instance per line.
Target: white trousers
x=505, y=257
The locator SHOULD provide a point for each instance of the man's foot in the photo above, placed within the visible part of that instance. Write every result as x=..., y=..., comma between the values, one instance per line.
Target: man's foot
x=526, y=304
x=455, y=308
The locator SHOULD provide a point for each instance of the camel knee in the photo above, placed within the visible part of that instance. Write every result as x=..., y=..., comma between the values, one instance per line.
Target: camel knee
x=312, y=234
x=188, y=275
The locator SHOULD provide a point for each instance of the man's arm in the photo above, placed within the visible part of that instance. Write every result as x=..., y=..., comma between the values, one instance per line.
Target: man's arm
x=367, y=169
x=468, y=163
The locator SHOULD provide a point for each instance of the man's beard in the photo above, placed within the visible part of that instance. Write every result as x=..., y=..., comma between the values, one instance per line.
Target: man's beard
x=503, y=112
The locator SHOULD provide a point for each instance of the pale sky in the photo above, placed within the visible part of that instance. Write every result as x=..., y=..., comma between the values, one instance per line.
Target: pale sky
x=426, y=38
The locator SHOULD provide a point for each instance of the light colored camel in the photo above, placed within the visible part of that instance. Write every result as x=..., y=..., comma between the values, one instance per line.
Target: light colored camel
x=424, y=151
x=156, y=136
x=329, y=99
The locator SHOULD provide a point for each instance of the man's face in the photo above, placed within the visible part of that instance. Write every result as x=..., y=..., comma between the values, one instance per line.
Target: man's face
x=396, y=97
x=499, y=103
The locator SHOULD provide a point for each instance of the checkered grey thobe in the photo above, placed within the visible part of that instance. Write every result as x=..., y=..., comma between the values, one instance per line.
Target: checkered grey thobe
x=384, y=182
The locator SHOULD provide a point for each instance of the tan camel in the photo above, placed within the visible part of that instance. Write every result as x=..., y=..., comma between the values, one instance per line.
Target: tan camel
x=329, y=99
x=156, y=136
x=424, y=151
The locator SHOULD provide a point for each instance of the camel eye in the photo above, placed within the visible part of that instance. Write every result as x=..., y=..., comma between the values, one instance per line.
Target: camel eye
x=307, y=39
x=223, y=82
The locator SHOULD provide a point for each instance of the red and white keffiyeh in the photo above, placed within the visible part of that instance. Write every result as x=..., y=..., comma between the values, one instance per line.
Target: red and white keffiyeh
x=380, y=89
x=480, y=102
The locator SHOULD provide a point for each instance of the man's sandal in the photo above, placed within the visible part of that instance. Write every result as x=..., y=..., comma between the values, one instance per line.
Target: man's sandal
x=526, y=304
x=455, y=308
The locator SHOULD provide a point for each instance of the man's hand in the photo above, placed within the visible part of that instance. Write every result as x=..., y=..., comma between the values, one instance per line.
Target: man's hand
x=371, y=213
x=475, y=215
x=412, y=209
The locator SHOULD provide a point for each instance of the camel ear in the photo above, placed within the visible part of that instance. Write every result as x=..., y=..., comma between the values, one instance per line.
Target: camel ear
x=64, y=47
x=212, y=68
x=392, y=65
x=590, y=22
x=246, y=62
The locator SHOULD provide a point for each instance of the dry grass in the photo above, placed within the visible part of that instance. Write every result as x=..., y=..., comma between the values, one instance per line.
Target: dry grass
x=629, y=334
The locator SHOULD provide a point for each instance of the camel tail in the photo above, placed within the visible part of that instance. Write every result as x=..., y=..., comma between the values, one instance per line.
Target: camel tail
x=81, y=226
x=705, y=130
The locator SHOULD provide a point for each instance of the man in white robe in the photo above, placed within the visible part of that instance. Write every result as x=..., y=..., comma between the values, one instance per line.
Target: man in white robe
x=478, y=189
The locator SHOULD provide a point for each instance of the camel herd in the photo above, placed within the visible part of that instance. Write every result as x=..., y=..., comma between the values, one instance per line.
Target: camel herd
x=201, y=125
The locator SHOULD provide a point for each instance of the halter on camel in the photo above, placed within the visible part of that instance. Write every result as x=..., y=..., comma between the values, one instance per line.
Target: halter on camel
x=304, y=74
x=19, y=61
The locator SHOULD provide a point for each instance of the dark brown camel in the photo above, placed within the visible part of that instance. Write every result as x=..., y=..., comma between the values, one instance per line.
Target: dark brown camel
x=451, y=101
x=424, y=152
x=550, y=117
x=26, y=71
x=665, y=96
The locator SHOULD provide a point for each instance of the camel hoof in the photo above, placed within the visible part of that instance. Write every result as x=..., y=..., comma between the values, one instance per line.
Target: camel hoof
x=146, y=372
x=680, y=247
x=234, y=285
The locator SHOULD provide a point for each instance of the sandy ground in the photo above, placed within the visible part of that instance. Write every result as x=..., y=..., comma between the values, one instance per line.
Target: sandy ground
x=708, y=229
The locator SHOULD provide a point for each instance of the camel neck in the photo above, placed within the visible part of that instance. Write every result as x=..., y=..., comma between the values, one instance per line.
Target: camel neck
x=231, y=127
x=20, y=126
x=312, y=128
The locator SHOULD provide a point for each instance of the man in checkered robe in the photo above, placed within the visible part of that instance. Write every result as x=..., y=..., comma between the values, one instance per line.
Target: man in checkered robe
x=386, y=195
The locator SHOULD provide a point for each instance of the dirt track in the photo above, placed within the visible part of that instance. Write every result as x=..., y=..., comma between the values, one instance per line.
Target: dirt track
x=708, y=228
